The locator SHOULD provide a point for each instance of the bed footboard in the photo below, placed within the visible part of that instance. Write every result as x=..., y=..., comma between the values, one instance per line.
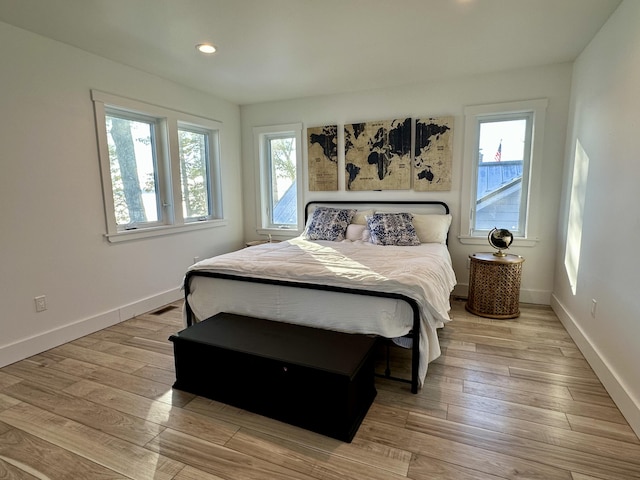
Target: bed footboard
x=415, y=332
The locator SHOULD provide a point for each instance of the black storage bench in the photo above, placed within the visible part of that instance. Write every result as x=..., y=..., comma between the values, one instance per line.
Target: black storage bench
x=317, y=379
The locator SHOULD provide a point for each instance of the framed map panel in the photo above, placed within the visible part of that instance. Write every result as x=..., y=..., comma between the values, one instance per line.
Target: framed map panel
x=322, y=157
x=433, y=154
x=378, y=155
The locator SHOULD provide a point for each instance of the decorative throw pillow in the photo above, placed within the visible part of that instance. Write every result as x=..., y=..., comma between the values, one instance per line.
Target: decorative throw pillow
x=432, y=228
x=328, y=224
x=392, y=229
x=356, y=232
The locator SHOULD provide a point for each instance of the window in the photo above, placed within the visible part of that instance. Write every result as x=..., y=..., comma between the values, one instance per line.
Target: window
x=133, y=166
x=503, y=145
x=194, y=173
x=279, y=166
x=160, y=168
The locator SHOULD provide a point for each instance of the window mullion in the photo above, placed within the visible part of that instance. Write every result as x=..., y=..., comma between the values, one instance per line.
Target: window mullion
x=174, y=194
x=159, y=174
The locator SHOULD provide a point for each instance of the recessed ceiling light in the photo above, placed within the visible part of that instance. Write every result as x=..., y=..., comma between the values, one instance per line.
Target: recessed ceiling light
x=206, y=48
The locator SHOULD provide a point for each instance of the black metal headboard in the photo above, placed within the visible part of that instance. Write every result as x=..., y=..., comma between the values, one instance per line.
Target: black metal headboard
x=374, y=203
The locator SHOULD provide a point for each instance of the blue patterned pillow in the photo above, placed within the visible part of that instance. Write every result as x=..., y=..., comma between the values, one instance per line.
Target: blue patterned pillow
x=392, y=229
x=328, y=224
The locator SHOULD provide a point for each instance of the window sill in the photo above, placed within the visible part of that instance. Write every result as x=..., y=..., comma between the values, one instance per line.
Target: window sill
x=279, y=232
x=518, y=241
x=141, y=233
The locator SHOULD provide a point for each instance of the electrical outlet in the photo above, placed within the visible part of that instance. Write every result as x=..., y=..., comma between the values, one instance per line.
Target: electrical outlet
x=594, y=303
x=41, y=303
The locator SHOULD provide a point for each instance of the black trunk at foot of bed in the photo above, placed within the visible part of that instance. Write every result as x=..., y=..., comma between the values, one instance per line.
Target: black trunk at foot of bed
x=415, y=332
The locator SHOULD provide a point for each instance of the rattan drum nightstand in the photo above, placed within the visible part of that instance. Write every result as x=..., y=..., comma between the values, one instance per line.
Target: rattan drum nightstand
x=494, y=285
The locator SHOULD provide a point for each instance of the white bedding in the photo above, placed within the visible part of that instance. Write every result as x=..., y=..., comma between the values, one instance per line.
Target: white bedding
x=422, y=272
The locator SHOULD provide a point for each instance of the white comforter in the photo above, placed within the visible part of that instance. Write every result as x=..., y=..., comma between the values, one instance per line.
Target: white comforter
x=423, y=273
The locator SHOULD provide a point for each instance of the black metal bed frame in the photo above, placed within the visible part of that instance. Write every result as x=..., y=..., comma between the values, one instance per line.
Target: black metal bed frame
x=414, y=334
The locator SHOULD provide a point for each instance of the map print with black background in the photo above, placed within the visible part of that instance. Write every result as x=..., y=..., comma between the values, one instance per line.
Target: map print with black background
x=322, y=155
x=433, y=154
x=378, y=155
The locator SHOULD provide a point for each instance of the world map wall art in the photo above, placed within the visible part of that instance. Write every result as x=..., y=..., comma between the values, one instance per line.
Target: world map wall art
x=378, y=155
x=433, y=154
x=322, y=154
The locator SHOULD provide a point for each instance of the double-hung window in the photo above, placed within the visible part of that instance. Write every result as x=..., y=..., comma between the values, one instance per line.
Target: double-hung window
x=279, y=161
x=503, y=147
x=160, y=168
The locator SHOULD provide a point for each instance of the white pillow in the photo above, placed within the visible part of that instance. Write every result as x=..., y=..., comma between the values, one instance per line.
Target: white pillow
x=432, y=228
x=356, y=232
x=359, y=217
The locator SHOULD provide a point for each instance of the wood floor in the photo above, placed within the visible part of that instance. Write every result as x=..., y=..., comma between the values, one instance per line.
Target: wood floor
x=507, y=399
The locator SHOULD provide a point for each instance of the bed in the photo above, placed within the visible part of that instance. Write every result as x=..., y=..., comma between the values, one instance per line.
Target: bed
x=379, y=268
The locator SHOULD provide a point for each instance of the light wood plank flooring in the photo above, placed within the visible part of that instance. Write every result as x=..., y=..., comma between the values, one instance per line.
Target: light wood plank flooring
x=508, y=399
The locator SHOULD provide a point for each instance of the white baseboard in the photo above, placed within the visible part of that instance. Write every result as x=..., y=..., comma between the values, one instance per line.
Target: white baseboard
x=629, y=407
x=44, y=341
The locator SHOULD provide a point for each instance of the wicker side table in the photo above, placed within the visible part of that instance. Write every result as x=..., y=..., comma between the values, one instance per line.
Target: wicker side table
x=494, y=285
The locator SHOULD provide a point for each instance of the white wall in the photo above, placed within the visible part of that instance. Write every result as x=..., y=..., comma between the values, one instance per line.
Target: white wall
x=433, y=99
x=51, y=209
x=603, y=132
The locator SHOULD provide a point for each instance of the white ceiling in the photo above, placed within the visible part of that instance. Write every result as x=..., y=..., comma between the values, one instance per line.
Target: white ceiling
x=280, y=49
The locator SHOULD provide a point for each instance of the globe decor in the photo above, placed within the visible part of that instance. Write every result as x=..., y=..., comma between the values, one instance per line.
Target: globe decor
x=500, y=239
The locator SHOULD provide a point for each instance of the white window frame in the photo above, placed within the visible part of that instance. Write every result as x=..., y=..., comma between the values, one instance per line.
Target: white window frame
x=212, y=142
x=260, y=136
x=166, y=123
x=530, y=191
